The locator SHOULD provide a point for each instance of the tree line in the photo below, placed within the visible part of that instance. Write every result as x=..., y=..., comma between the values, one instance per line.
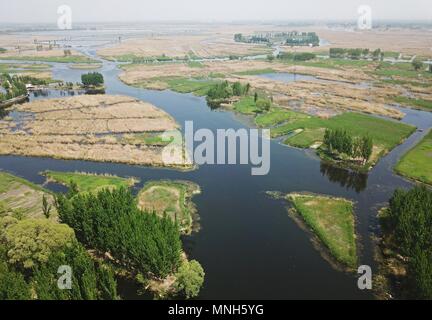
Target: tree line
x=300, y=56
x=356, y=54
x=410, y=222
x=110, y=221
x=225, y=90
x=342, y=142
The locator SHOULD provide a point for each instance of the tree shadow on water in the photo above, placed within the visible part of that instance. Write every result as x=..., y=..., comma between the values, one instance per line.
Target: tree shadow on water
x=346, y=178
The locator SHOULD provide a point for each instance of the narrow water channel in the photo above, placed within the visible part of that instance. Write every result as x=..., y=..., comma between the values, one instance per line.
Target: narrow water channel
x=248, y=245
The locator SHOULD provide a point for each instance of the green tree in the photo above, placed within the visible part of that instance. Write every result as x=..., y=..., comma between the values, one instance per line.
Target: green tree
x=410, y=223
x=366, y=148
x=31, y=241
x=263, y=104
x=46, y=207
x=92, y=79
x=189, y=279
x=417, y=64
x=111, y=222
x=90, y=281
x=13, y=285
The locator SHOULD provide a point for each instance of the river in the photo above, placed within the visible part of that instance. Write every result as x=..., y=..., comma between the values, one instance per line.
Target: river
x=248, y=245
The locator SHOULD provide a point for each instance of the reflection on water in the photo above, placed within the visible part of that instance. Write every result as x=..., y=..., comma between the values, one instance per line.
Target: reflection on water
x=346, y=178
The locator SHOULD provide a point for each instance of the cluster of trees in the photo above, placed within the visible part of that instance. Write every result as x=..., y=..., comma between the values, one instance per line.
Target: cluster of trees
x=342, y=142
x=14, y=86
x=303, y=39
x=293, y=38
x=301, y=56
x=356, y=54
x=226, y=90
x=238, y=37
x=110, y=221
x=92, y=79
x=2, y=50
x=31, y=252
x=410, y=220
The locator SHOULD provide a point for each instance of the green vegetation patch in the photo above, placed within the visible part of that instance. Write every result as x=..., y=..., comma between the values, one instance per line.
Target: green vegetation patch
x=172, y=198
x=199, y=87
x=416, y=103
x=386, y=133
x=86, y=182
x=252, y=105
x=147, y=138
x=255, y=72
x=332, y=220
x=195, y=64
x=330, y=63
x=63, y=59
x=404, y=70
x=306, y=138
x=406, y=243
x=417, y=163
x=277, y=116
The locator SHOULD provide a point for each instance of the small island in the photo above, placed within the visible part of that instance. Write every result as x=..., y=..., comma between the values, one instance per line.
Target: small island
x=171, y=198
x=332, y=222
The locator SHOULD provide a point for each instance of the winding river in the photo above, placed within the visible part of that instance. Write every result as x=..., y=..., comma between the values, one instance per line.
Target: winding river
x=248, y=245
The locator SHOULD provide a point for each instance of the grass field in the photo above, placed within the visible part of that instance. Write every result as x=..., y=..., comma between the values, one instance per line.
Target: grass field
x=416, y=103
x=195, y=86
x=172, y=198
x=404, y=70
x=417, y=163
x=255, y=72
x=247, y=105
x=147, y=138
x=89, y=182
x=386, y=133
x=195, y=64
x=22, y=198
x=332, y=220
x=63, y=59
x=23, y=67
x=277, y=116
x=329, y=63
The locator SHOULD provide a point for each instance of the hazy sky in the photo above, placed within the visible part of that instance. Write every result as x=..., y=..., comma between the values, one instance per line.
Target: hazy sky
x=210, y=10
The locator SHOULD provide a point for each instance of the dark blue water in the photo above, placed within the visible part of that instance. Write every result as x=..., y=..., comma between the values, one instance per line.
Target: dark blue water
x=248, y=245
